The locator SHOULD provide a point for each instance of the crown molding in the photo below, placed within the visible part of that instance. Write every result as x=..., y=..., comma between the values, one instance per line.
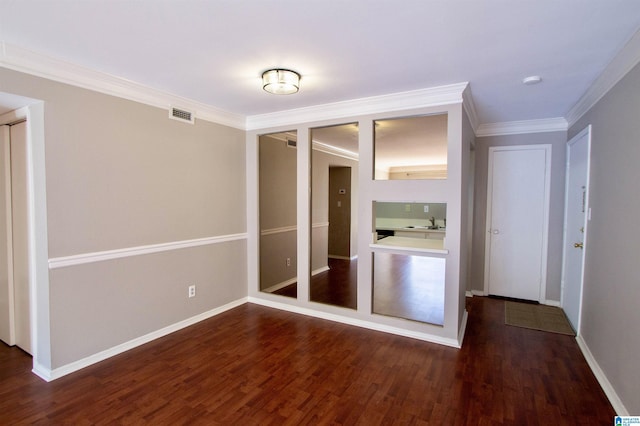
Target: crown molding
x=470, y=108
x=557, y=124
x=19, y=59
x=620, y=65
x=435, y=96
x=23, y=60
x=334, y=150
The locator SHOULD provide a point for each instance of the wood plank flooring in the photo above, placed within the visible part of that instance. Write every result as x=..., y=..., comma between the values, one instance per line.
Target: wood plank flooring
x=258, y=366
x=410, y=287
x=337, y=286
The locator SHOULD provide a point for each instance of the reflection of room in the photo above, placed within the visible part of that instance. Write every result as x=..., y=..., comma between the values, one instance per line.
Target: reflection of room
x=278, y=228
x=334, y=220
x=410, y=225
x=410, y=287
x=411, y=148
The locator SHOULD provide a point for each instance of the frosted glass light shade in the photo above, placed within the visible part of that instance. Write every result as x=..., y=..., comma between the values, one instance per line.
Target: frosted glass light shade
x=280, y=82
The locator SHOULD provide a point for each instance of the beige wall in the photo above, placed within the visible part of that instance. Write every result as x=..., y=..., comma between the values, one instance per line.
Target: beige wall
x=121, y=174
x=277, y=173
x=98, y=306
x=557, y=140
x=610, y=313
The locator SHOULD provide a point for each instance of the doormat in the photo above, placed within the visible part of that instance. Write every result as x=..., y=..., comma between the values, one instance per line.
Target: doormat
x=537, y=317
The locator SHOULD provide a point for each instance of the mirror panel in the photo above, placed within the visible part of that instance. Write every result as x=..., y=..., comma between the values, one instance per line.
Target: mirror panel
x=420, y=220
x=278, y=213
x=411, y=148
x=334, y=218
x=409, y=287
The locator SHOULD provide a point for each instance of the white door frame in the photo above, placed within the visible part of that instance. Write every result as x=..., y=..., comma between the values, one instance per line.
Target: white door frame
x=584, y=132
x=6, y=158
x=37, y=234
x=545, y=225
x=9, y=119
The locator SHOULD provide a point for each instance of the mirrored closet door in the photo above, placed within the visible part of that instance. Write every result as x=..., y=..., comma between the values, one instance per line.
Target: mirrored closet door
x=334, y=218
x=278, y=210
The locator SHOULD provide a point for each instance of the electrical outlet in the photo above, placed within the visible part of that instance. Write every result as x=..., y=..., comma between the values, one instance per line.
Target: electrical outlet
x=426, y=209
x=192, y=291
x=288, y=261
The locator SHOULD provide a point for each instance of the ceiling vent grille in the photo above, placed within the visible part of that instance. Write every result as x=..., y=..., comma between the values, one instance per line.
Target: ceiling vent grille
x=292, y=143
x=181, y=115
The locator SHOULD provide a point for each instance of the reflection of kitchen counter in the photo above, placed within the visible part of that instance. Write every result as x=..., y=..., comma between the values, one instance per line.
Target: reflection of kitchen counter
x=412, y=244
x=415, y=232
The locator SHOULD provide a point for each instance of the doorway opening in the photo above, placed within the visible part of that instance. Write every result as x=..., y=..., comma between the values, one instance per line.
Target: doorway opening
x=14, y=109
x=15, y=324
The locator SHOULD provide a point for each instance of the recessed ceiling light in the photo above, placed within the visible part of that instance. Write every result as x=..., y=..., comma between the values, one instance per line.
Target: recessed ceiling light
x=533, y=79
x=280, y=81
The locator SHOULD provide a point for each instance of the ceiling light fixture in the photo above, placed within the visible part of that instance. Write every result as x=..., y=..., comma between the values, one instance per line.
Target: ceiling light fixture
x=280, y=81
x=534, y=79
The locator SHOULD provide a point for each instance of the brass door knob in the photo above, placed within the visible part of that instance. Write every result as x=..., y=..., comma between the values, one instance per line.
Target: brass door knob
x=579, y=245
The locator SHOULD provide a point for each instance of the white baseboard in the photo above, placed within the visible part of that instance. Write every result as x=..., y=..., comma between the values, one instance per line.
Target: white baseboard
x=283, y=284
x=608, y=389
x=335, y=256
x=555, y=303
x=319, y=270
x=56, y=373
x=278, y=286
x=463, y=327
x=42, y=372
x=456, y=343
x=471, y=293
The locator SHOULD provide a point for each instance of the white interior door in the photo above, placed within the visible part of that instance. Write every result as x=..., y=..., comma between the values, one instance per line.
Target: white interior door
x=7, y=326
x=517, y=221
x=15, y=323
x=575, y=225
x=19, y=204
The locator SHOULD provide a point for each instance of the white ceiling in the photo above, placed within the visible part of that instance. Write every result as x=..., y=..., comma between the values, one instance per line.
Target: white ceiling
x=215, y=51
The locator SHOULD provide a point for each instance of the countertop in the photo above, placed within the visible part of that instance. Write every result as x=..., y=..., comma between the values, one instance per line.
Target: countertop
x=411, y=244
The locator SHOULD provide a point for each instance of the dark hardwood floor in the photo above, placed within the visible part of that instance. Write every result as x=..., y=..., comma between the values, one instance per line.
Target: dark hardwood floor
x=258, y=366
x=410, y=287
x=337, y=286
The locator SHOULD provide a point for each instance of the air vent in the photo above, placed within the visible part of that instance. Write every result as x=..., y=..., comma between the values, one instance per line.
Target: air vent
x=292, y=143
x=181, y=115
